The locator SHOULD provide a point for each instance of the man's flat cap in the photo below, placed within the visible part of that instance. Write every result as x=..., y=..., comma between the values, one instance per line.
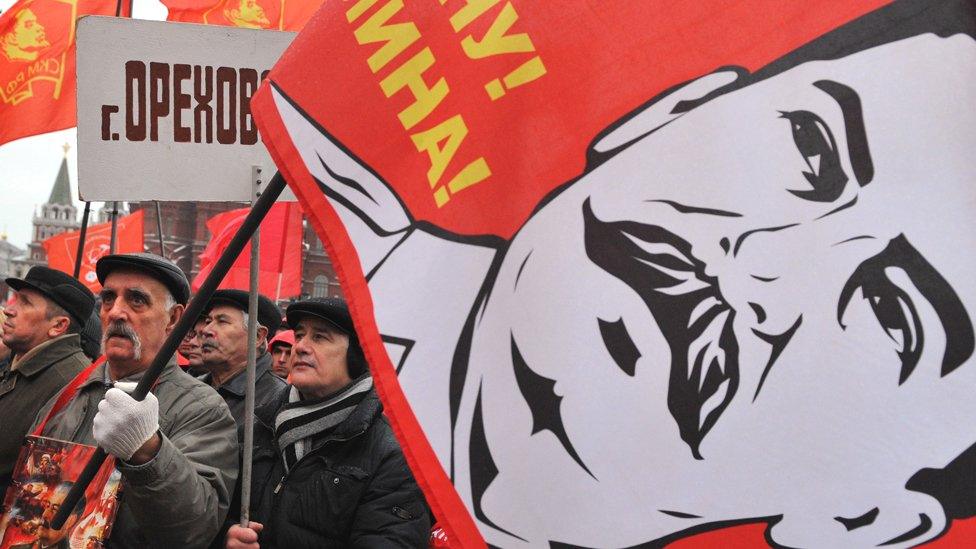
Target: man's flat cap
x=61, y=288
x=269, y=315
x=159, y=268
x=331, y=309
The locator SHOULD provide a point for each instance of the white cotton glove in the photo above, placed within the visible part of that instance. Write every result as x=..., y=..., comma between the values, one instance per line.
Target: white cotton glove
x=123, y=424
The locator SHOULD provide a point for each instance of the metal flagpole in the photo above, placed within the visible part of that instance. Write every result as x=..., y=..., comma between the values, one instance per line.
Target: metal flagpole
x=81, y=239
x=190, y=315
x=159, y=229
x=252, y=357
x=115, y=227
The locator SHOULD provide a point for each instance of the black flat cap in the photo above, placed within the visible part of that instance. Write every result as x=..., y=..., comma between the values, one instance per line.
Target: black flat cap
x=61, y=288
x=269, y=315
x=160, y=268
x=331, y=309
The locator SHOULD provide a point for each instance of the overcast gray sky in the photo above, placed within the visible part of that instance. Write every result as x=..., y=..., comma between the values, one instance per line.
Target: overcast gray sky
x=28, y=166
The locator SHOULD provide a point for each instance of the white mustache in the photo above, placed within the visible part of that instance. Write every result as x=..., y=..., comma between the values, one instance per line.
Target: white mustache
x=121, y=329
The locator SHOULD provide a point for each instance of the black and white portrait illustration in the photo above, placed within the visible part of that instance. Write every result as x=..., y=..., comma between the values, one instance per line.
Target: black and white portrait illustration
x=755, y=303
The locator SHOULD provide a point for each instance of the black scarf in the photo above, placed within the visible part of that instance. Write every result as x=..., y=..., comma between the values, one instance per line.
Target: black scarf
x=299, y=420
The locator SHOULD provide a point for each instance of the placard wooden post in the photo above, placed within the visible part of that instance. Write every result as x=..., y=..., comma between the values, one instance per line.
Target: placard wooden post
x=252, y=356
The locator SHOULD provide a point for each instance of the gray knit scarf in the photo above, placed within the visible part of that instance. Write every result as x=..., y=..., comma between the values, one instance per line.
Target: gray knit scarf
x=299, y=420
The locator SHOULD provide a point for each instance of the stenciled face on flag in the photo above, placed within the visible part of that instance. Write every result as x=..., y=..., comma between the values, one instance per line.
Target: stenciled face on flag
x=28, y=55
x=37, y=64
x=248, y=14
x=754, y=304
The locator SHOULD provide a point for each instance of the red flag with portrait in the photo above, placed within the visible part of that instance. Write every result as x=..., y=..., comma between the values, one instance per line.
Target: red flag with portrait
x=284, y=15
x=652, y=272
x=62, y=249
x=37, y=64
x=280, y=274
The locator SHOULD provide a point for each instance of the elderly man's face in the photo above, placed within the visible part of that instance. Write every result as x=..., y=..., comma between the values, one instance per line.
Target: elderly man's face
x=768, y=281
x=319, y=365
x=135, y=319
x=224, y=337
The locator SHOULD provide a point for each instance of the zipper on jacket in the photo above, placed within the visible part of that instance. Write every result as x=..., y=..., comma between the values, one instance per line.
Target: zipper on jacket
x=280, y=484
x=275, y=500
x=284, y=477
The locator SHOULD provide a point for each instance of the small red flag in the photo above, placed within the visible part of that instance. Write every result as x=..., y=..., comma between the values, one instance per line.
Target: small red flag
x=37, y=64
x=281, y=251
x=62, y=249
x=287, y=15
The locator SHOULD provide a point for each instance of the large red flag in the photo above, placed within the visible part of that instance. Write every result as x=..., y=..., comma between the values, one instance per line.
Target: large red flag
x=37, y=64
x=639, y=272
x=281, y=251
x=62, y=249
x=287, y=15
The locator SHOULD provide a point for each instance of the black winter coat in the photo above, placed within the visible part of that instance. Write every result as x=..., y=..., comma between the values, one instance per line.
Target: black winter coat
x=353, y=490
x=39, y=376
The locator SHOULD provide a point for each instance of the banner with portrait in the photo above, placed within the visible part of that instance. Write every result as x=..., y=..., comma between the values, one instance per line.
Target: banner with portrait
x=37, y=63
x=653, y=272
x=45, y=472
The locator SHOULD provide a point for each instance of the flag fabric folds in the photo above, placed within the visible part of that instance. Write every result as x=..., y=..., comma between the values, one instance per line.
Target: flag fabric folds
x=37, y=64
x=281, y=251
x=654, y=272
x=285, y=15
x=63, y=249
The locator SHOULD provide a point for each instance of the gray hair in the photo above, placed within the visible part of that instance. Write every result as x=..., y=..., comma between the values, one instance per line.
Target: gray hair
x=247, y=319
x=170, y=301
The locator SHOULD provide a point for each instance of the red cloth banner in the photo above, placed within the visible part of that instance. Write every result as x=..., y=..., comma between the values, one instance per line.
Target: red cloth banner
x=651, y=272
x=281, y=251
x=62, y=249
x=285, y=15
x=37, y=64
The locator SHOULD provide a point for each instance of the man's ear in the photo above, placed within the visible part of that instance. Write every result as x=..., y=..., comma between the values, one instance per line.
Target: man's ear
x=262, y=339
x=661, y=111
x=59, y=326
x=175, y=314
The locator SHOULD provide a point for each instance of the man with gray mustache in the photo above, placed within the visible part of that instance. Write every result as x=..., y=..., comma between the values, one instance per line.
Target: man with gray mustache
x=123, y=330
x=177, y=448
x=224, y=348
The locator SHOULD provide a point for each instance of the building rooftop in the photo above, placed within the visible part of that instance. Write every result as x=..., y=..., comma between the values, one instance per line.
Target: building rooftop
x=7, y=249
x=61, y=193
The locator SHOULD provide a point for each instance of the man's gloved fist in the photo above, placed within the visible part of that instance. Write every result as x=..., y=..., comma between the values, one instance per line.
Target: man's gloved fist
x=123, y=424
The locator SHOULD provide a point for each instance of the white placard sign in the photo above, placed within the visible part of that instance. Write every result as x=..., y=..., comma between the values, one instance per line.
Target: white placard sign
x=164, y=109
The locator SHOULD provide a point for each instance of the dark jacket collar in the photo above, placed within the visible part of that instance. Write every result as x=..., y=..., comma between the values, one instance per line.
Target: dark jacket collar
x=361, y=418
x=237, y=385
x=55, y=351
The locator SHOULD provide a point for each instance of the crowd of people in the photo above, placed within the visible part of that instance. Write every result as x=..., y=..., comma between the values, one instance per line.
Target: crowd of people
x=327, y=469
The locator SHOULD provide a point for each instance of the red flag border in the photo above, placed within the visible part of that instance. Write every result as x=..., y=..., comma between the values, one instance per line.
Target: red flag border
x=450, y=511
